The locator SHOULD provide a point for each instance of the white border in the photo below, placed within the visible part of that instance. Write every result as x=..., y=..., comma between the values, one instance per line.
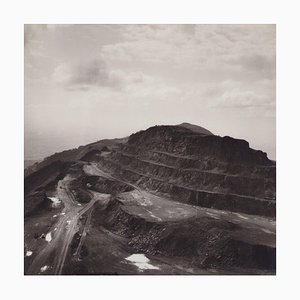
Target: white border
x=14, y=14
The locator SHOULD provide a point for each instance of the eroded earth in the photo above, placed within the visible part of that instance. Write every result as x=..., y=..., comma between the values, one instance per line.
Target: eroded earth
x=118, y=207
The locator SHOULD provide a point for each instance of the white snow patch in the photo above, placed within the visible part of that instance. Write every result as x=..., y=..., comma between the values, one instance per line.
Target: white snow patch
x=54, y=216
x=243, y=217
x=68, y=224
x=153, y=216
x=55, y=201
x=141, y=261
x=28, y=253
x=79, y=204
x=63, y=213
x=44, y=268
x=55, y=228
x=48, y=237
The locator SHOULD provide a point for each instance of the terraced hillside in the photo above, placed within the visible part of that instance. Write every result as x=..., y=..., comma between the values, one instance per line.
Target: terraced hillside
x=198, y=169
x=166, y=200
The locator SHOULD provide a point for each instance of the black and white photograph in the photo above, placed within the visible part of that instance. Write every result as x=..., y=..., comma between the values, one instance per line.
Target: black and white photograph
x=150, y=149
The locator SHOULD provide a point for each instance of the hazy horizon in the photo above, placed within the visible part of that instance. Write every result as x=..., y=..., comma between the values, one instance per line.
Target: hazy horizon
x=85, y=83
x=41, y=153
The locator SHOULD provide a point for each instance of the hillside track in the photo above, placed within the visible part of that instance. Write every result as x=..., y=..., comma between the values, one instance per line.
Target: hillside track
x=63, y=231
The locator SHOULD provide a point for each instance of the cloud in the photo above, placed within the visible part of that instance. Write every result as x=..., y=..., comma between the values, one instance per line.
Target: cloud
x=255, y=64
x=33, y=43
x=237, y=98
x=226, y=51
x=93, y=74
x=33, y=32
x=203, y=65
x=219, y=75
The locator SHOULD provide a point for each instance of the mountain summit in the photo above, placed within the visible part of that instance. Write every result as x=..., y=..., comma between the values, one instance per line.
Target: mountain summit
x=195, y=128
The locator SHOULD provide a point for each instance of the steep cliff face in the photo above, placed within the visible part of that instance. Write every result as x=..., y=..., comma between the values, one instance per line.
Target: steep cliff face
x=196, y=168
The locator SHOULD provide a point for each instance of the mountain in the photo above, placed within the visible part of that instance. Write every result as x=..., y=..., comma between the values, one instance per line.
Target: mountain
x=29, y=162
x=204, y=170
x=165, y=200
x=73, y=155
x=195, y=128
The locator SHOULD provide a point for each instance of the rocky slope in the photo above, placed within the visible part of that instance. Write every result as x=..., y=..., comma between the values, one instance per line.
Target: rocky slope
x=185, y=200
x=200, y=169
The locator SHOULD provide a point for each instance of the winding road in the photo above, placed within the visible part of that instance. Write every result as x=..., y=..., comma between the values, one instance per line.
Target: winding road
x=52, y=257
x=63, y=231
x=161, y=209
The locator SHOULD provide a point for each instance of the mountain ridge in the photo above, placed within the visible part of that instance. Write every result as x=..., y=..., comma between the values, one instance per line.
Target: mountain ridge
x=195, y=128
x=187, y=201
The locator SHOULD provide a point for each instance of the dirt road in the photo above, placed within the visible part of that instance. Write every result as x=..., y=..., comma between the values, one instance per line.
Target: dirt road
x=51, y=258
x=161, y=209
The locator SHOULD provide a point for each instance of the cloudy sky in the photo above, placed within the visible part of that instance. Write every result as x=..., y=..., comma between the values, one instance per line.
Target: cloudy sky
x=88, y=82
